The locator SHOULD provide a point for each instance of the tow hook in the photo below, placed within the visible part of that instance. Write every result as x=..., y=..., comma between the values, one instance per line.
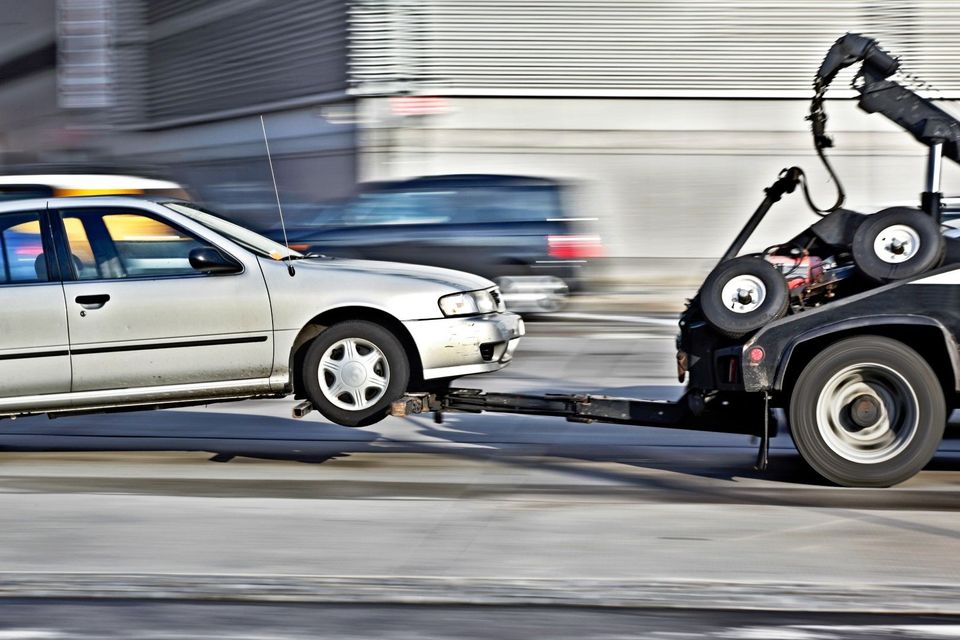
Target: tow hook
x=682, y=365
x=302, y=409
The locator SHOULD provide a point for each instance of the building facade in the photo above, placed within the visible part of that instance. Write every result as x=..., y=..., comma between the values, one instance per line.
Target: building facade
x=669, y=116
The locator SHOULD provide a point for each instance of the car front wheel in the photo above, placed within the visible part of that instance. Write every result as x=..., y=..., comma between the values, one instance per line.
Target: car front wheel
x=353, y=371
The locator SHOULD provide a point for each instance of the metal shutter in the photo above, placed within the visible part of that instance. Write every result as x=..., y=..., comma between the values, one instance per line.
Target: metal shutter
x=668, y=48
x=160, y=10
x=188, y=60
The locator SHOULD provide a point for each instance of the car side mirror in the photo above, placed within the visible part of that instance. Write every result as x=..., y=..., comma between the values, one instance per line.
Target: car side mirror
x=210, y=260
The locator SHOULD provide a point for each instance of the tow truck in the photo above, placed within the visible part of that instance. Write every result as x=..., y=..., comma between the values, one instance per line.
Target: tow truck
x=850, y=329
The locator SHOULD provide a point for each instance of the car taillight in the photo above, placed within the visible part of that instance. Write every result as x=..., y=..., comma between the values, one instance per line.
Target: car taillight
x=575, y=247
x=30, y=250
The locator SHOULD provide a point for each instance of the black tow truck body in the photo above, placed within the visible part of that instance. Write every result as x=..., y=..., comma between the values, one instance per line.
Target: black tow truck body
x=733, y=384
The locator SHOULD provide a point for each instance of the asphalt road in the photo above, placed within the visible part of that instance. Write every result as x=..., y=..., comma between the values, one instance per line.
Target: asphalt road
x=489, y=509
x=145, y=620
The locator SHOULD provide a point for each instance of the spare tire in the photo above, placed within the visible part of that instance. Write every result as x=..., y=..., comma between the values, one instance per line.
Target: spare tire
x=897, y=243
x=742, y=295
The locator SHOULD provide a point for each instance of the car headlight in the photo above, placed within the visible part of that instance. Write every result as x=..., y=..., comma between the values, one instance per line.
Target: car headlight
x=471, y=303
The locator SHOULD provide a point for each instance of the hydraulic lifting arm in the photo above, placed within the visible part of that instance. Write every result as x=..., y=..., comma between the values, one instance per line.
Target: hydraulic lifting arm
x=925, y=121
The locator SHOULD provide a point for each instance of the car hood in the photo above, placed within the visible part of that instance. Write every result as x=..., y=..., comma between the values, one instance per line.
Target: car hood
x=447, y=278
x=405, y=291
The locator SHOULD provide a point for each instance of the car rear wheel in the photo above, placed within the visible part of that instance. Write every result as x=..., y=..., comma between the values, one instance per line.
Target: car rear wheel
x=867, y=412
x=353, y=371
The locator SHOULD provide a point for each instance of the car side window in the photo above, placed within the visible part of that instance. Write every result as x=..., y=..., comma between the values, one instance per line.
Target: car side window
x=122, y=244
x=509, y=204
x=22, y=258
x=400, y=207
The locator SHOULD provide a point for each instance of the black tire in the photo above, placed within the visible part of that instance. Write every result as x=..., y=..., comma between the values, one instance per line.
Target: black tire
x=867, y=454
x=730, y=317
x=360, y=384
x=878, y=255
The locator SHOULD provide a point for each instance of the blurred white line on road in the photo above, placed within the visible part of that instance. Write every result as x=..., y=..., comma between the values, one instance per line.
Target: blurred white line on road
x=892, y=630
x=773, y=633
x=835, y=632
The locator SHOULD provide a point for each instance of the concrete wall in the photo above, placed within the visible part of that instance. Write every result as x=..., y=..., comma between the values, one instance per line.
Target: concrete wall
x=671, y=181
x=314, y=158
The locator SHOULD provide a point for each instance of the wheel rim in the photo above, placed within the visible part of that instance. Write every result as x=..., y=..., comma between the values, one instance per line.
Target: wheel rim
x=743, y=293
x=897, y=244
x=889, y=416
x=354, y=374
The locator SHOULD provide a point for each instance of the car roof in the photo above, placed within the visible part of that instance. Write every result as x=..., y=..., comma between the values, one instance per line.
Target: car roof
x=459, y=180
x=81, y=201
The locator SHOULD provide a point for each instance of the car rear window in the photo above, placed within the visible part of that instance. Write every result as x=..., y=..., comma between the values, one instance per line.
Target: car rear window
x=21, y=246
x=434, y=206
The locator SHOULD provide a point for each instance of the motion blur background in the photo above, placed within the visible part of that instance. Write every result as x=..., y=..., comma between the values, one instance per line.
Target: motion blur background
x=667, y=117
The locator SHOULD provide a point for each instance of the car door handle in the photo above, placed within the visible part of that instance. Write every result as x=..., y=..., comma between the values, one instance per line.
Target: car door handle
x=94, y=301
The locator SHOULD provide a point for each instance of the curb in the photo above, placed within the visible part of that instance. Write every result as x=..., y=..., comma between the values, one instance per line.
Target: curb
x=672, y=594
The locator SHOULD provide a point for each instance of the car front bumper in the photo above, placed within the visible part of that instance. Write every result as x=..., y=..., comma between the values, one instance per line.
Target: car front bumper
x=453, y=347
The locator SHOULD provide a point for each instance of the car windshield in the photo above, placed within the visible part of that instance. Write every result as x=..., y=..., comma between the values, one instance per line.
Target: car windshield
x=241, y=235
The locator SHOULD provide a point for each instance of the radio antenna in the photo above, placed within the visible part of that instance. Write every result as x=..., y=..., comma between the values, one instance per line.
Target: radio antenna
x=276, y=192
x=273, y=177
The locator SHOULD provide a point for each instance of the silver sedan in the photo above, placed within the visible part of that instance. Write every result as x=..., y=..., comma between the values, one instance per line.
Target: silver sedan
x=120, y=302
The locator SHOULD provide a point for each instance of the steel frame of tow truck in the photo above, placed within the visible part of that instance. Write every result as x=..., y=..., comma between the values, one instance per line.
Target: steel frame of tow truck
x=726, y=415
x=580, y=408
x=738, y=412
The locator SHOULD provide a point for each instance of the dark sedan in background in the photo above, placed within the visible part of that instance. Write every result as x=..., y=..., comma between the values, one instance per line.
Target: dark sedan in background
x=514, y=230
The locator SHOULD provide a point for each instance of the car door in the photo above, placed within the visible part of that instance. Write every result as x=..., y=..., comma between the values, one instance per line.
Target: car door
x=140, y=316
x=34, y=356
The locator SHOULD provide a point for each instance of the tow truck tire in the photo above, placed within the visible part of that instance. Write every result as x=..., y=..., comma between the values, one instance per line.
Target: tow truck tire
x=742, y=295
x=353, y=371
x=867, y=412
x=897, y=243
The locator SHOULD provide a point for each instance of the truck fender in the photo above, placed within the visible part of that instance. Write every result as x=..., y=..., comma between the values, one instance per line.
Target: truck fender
x=869, y=322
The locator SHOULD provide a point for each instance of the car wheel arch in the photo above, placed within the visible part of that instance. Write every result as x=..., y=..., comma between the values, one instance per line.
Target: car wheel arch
x=328, y=318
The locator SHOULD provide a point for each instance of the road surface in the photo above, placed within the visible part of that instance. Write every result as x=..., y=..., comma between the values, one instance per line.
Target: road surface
x=239, y=502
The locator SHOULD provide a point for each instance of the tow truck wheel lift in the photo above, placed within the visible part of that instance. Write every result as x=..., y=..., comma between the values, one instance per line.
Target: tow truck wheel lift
x=728, y=417
x=848, y=300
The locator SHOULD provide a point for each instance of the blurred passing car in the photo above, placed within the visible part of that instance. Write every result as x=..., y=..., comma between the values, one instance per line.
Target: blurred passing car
x=511, y=229
x=118, y=302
